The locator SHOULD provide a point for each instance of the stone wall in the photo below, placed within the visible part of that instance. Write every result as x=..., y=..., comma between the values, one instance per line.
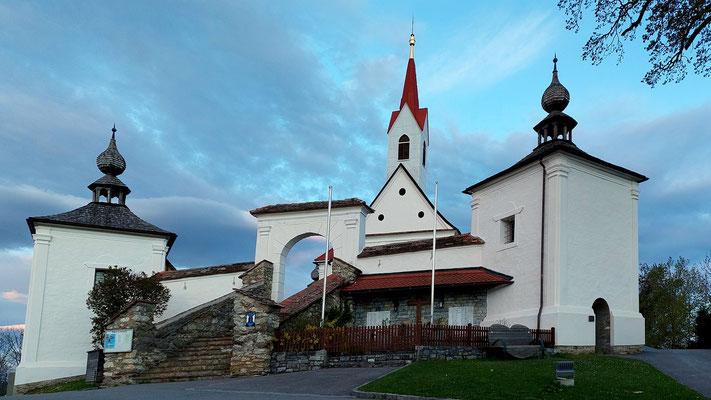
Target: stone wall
x=342, y=268
x=123, y=368
x=448, y=353
x=293, y=361
x=153, y=344
x=258, y=279
x=311, y=360
x=402, y=313
x=631, y=349
x=251, y=354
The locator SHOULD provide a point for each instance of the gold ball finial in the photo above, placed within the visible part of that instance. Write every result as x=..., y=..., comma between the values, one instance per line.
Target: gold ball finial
x=412, y=45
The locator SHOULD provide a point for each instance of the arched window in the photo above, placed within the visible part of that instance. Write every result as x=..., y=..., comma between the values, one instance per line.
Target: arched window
x=424, y=153
x=403, y=148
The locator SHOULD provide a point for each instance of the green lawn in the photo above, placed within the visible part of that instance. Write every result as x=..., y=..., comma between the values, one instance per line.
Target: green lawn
x=596, y=377
x=79, y=384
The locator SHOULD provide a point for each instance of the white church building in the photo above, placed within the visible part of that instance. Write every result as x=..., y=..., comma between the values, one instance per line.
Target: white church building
x=553, y=243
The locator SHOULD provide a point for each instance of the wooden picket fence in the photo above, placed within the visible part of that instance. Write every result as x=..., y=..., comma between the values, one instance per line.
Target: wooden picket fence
x=367, y=339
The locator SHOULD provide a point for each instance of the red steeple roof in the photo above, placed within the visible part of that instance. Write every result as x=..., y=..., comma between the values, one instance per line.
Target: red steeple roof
x=409, y=96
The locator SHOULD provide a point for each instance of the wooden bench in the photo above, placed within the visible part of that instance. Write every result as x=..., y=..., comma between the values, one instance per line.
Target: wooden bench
x=516, y=341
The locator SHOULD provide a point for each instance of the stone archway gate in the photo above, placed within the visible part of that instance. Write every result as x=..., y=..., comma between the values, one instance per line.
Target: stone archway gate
x=281, y=226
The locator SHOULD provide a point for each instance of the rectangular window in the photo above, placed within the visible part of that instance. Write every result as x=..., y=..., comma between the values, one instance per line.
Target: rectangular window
x=99, y=275
x=378, y=318
x=508, y=229
x=461, y=316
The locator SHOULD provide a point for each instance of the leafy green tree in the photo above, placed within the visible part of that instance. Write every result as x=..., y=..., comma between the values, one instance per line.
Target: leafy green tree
x=670, y=295
x=676, y=33
x=119, y=287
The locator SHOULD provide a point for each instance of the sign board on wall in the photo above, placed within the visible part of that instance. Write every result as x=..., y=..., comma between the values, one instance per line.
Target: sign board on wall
x=118, y=341
x=250, y=320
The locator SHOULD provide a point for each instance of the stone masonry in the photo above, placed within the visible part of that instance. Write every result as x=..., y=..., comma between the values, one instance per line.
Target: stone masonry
x=258, y=279
x=196, y=331
x=252, y=348
x=342, y=268
x=123, y=368
x=403, y=313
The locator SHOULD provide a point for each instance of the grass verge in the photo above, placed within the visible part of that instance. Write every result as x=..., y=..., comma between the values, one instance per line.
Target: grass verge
x=596, y=377
x=79, y=384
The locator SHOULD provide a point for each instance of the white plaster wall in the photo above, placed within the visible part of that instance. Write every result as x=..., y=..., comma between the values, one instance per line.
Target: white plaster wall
x=519, y=195
x=187, y=293
x=406, y=124
x=277, y=233
x=448, y=258
x=58, y=322
x=400, y=212
x=590, y=248
x=601, y=259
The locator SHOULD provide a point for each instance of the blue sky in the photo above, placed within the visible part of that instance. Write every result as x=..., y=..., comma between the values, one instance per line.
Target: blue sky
x=224, y=106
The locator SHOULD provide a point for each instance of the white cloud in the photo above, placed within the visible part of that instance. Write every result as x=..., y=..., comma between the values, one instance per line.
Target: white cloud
x=15, y=296
x=487, y=51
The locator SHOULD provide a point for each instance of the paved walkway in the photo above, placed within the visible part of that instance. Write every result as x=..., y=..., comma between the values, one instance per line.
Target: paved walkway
x=323, y=384
x=690, y=367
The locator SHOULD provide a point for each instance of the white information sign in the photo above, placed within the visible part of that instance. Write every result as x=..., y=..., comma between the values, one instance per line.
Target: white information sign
x=118, y=341
x=461, y=316
x=378, y=318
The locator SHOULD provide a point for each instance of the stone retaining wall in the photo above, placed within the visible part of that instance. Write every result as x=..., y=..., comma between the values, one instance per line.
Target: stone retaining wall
x=293, y=361
x=311, y=360
x=448, y=353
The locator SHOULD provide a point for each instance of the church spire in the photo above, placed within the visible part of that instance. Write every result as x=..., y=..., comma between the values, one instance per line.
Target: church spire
x=557, y=124
x=112, y=164
x=408, y=131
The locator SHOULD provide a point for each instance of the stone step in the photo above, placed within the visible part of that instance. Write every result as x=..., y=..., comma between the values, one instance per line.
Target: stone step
x=195, y=366
x=185, y=374
x=169, y=379
x=204, y=356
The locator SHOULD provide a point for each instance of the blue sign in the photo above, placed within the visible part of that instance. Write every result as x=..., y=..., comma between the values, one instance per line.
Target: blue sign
x=109, y=341
x=250, y=320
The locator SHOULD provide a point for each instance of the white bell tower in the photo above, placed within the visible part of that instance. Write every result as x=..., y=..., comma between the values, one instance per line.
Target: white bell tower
x=408, y=131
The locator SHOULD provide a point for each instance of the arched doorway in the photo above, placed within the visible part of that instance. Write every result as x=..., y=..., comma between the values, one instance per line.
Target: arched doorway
x=603, y=329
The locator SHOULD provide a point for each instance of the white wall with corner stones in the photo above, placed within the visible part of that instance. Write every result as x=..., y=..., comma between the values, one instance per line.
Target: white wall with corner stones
x=590, y=248
x=58, y=322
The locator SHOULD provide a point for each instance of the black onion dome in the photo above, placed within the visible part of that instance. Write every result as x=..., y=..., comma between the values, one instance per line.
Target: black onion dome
x=111, y=161
x=314, y=274
x=556, y=97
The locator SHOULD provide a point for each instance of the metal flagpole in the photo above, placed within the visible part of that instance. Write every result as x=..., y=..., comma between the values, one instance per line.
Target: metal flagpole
x=434, y=249
x=325, y=260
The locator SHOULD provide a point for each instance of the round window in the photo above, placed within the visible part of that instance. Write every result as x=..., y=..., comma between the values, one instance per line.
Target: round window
x=402, y=191
x=381, y=217
x=421, y=214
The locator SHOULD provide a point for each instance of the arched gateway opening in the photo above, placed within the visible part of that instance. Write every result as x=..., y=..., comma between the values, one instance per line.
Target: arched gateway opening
x=299, y=262
x=602, y=326
x=281, y=226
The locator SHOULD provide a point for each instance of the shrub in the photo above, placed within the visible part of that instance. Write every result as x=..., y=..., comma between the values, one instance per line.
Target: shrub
x=119, y=287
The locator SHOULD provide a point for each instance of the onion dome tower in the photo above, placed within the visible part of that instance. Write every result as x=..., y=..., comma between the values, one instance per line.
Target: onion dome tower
x=112, y=164
x=557, y=125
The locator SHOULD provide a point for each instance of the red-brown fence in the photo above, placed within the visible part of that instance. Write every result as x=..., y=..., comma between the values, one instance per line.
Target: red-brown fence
x=362, y=339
